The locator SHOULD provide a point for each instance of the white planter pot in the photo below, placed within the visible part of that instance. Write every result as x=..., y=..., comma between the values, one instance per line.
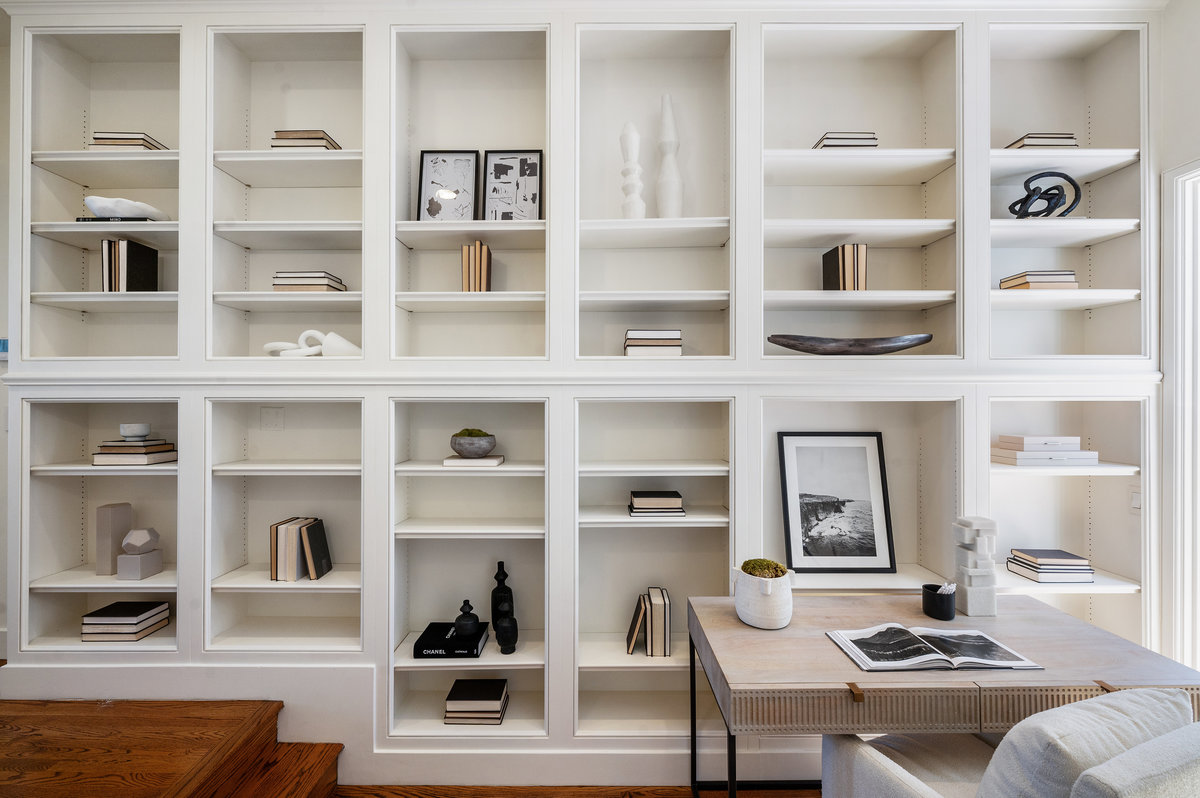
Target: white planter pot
x=763, y=603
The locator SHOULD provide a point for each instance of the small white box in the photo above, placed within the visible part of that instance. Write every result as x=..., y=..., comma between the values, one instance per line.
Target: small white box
x=139, y=566
x=980, y=601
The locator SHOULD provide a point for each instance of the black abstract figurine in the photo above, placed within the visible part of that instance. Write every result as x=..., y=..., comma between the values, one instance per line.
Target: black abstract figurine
x=467, y=623
x=1053, y=198
x=501, y=593
x=506, y=629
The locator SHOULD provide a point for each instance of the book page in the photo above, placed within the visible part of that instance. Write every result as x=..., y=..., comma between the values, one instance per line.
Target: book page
x=888, y=647
x=969, y=648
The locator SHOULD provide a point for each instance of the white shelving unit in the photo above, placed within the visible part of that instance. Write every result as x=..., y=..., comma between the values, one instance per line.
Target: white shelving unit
x=538, y=360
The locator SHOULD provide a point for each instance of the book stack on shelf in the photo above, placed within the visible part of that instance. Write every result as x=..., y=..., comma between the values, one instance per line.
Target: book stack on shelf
x=299, y=549
x=476, y=267
x=125, y=140
x=653, y=343
x=148, y=451
x=125, y=621
x=1041, y=450
x=308, y=139
x=1048, y=279
x=655, y=503
x=1051, y=565
x=476, y=702
x=651, y=616
x=1044, y=140
x=487, y=461
x=306, y=281
x=442, y=640
x=847, y=138
x=844, y=268
x=128, y=266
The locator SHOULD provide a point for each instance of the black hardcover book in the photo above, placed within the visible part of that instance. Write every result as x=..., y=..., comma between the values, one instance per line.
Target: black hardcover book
x=112, y=218
x=440, y=640
x=125, y=612
x=139, y=266
x=477, y=695
x=833, y=268
x=316, y=549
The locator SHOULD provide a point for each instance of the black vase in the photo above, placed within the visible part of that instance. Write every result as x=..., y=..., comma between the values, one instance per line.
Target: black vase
x=501, y=593
x=506, y=629
x=467, y=623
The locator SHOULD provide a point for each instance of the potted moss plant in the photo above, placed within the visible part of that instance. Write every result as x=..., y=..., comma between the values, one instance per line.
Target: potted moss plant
x=471, y=443
x=762, y=594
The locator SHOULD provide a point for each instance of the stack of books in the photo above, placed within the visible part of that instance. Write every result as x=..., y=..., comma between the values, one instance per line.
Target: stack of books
x=651, y=615
x=125, y=621
x=299, y=549
x=1051, y=565
x=143, y=452
x=847, y=138
x=315, y=280
x=487, y=461
x=476, y=702
x=653, y=343
x=476, y=267
x=128, y=266
x=1041, y=450
x=312, y=139
x=655, y=503
x=1041, y=280
x=125, y=140
x=844, y=268
x=441, y=640
x=1044, y=140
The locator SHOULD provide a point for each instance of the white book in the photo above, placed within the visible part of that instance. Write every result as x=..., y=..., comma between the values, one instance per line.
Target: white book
x=487, y=461
x=654, y=334
x=1038, y=443
x=1045, y=458
x=653, y=351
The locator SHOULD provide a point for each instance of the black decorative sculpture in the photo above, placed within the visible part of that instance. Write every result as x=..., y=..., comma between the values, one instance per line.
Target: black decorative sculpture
x=849, y=346
x=506, y=628
x=467, y=623
x=1053, y=197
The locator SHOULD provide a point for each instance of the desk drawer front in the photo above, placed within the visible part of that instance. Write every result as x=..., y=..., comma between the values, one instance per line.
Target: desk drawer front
x=833, y=710
x=1001, y=708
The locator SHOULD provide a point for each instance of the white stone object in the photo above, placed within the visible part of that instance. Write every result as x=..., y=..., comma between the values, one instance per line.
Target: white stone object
x=140, y=541
x=634, y=207
x=314, y=343
x=112, y=522
x=976, y=571
x=976, y=601
x=977, y=577
x=762, y=603
x=139, y=566
x=670, y=184
x=966, y=558
x=134, y=432
x=119, y=206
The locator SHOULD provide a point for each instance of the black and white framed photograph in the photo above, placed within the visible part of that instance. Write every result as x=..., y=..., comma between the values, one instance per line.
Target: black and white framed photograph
x=512, y=185
x=447, y=186
x=835, y=504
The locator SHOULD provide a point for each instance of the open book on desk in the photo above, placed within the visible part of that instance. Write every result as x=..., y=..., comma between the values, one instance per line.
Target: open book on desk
x=892, y=647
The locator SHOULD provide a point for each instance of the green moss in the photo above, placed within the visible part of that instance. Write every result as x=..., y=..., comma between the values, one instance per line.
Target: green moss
x=767, y=569
x=471, y=432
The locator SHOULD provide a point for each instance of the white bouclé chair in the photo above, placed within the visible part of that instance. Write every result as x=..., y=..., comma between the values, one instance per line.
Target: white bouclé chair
x=1139, y=743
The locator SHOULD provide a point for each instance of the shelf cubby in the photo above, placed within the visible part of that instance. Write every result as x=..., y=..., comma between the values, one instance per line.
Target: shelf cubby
x=655, y=272
x=54, y=621
x=421, y=702
x=659, y=708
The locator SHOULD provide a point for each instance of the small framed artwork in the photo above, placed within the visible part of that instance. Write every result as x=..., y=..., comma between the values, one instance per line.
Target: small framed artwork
x=512, y=185
x=446, y=188
x=836, y=517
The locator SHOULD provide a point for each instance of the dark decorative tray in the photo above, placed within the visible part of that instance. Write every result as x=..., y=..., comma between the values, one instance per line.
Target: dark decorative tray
x=850, y=346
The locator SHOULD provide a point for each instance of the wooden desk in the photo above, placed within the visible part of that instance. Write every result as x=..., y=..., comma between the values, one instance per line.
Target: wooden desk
x=797, y=681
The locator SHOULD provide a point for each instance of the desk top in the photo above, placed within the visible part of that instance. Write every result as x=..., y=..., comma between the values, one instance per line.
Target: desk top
x=795, y=679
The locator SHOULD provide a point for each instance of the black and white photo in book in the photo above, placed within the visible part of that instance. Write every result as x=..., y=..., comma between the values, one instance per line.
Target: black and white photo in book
x=836, y=517
x=891, y=647
x=446, y=188
x=512, y=185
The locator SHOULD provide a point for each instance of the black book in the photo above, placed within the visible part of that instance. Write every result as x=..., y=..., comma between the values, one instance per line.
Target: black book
x=477, y=695
x=441, y=640
x=125, y=612
x=138, y=265
x=669, y=499
x=837, y=268
x=316, y=549
x=112, y=219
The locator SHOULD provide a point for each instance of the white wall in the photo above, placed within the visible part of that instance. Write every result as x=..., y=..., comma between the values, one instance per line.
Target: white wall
x=1180, y=90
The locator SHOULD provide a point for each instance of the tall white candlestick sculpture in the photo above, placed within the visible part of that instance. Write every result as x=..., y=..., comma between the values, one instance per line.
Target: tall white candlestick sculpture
x=670, y=184
x=634, y=207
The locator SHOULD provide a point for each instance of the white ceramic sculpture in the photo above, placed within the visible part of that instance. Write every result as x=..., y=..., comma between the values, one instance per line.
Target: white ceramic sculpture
x=135, y=431
x=119, y=206
x=670, y=184
x=634, y=207
x=975, y=558
x=314, y=343
x=762, y=603
x=140, y=541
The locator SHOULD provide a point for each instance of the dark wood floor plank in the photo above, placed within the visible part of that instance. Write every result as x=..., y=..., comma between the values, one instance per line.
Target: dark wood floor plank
x=352, y=791
x=294, y=770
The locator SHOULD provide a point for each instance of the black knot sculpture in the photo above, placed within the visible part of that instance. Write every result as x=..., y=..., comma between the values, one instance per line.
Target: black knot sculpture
x=1052, y=198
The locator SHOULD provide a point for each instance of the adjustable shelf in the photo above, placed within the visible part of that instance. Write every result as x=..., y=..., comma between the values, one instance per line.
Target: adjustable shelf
x=1085, y=164
x=290, y=301
x=1071, y=299
x=857, y=300
x=420, y=715
x=499, y=235
x=471, y=301
x=530, y=654
x=88, y=235
x=290, y=167
x=826, y=233
x=255, y=578
x=471, y=528
x=864, y=166
x=609, y=652
x=1059, y=232
x=109, y=301
x=653, y=233
x=280, y=633
x=647, y=301
x=1100, y=469
x=113, y=168
x=601, y=517
x=646, y=468
x=83, y=579
x=292, y=235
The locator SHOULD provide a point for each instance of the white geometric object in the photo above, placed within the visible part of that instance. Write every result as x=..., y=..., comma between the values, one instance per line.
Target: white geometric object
x=113, y=521
x=119, y=206
x=140, y=566
x=634, y=207
x=670, y=184
x=976, y=567
x=140, y=541
x=314, y=343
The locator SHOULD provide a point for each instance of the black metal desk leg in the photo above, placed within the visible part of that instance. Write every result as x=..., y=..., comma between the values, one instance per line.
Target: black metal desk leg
x=731, y=754
x=692, y=682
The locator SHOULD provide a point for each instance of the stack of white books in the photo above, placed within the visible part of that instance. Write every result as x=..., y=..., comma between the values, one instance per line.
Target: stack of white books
x=653, y=343
x=1041, y=450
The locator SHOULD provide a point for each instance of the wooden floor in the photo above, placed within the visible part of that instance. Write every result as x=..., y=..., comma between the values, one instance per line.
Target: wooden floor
x=557, y=792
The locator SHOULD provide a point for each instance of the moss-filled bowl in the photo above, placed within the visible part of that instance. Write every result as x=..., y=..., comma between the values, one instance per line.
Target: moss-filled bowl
x=472, y=446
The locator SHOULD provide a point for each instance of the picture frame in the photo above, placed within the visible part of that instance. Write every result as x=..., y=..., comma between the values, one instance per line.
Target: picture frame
x=447, y=186
x=836, y=516
x=512, y=185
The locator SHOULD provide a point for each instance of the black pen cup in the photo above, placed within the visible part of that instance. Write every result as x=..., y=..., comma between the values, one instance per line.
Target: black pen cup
x=937, y=605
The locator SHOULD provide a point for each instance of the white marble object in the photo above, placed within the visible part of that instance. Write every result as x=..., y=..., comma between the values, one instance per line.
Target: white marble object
x=134, y=432
x=762, y=603
x=670, y=183
x=634, y=207
x=119, y=206
x=974, y=558
x=140, y=566
x=140, y=541
x=314, y=343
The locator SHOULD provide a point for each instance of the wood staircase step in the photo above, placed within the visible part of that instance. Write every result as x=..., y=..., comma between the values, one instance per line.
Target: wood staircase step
x=292, y=770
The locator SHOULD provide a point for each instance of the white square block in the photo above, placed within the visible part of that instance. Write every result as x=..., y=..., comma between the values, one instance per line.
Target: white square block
x=139, y=566
x=966, y=558
x=975, y=600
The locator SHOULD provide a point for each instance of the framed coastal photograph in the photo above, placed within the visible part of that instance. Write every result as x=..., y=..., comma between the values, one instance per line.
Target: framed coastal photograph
x=836, y=517
x=512, y=185
x=446, y=189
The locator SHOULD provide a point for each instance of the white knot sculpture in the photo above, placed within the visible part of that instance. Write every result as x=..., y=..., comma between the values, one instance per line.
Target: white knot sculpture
x=314, y=343
x=119, y=206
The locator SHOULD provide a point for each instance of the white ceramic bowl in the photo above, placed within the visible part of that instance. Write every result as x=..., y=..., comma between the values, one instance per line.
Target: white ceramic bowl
x=135, y=432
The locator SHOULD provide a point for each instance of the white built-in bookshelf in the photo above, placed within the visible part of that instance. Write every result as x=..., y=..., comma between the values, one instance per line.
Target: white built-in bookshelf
x=538, y=360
